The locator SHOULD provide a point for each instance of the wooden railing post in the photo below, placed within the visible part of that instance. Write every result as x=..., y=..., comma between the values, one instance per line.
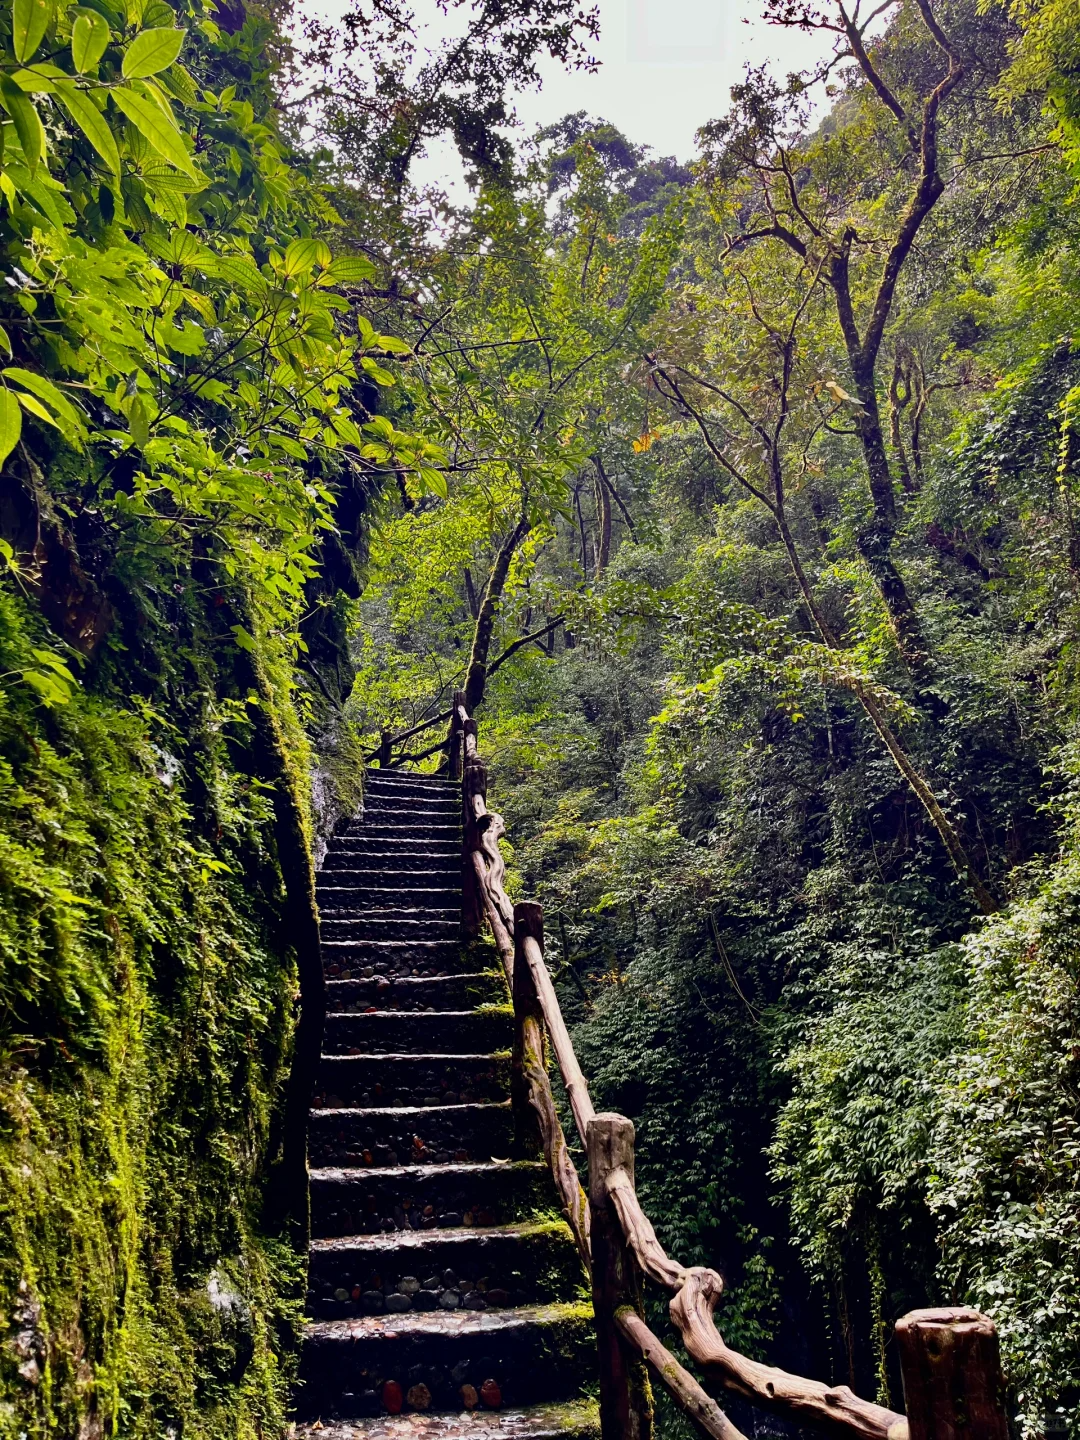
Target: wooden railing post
x=951, y=1366
x=454, y=767
x=528, y=1027
x=473, y=783
x=626, y=1407
x=386, y=749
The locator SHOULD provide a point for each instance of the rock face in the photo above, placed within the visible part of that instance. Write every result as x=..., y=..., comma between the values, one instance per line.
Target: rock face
x=444, y=1298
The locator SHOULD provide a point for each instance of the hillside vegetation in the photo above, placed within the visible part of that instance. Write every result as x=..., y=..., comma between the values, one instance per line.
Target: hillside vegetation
x=743, y=500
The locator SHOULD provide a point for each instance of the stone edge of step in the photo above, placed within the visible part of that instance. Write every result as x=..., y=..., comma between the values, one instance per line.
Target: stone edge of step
x=446, y=1322
x=401, y=1111
x=351, y=1174
x=523, y=1230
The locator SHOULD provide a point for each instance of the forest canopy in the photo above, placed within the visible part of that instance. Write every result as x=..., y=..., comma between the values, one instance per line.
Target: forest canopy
x=741, y=497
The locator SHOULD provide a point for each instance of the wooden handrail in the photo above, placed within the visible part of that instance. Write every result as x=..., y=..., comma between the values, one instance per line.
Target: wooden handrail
x=529, y=1066
x=577, y=1090
x=392, y=740
x=695, y=1291
x=690, y=1397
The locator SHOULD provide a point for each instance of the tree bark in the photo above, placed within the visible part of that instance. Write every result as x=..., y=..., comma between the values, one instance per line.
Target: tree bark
x=476, y=675
x=603, y=520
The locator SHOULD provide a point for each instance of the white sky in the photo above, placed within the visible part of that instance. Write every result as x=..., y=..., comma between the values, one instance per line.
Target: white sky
x=666, y=68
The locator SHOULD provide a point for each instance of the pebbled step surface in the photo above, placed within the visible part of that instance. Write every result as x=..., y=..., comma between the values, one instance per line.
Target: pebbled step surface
x=385, y=1029
x=407, y=992
x=350, y=1200
x=575, y=1420
x=445, y=1301
x=532, y=1353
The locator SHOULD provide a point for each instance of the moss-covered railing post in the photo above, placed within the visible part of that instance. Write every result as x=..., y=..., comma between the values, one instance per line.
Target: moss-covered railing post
x=626, y=1403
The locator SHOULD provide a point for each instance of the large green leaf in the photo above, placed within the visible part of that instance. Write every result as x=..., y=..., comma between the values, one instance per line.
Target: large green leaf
x=152, y=51
x=238, y=271
x=302, y=255
x=150, y=122
x=10, y=423
x=29, y=21
x=47, y=197
x=89, y=38
x=39, y=79
x=27, y=121
x=92, y=123
x=45, y=390
x=348, y=270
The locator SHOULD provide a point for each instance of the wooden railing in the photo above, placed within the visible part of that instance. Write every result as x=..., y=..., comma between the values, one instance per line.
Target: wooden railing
x=948, y=1357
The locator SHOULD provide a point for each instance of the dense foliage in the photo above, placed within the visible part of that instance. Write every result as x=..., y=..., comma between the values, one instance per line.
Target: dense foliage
x=742, y=500
x=780, y=696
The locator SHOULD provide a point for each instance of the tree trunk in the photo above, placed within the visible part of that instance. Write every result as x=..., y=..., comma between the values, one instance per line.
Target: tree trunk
x=476, y=675
x=603, y=520
x=875, y=540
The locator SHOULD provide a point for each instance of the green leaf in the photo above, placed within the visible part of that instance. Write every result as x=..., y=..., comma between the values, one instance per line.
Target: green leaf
x=168, y=204
x=138, y=422
x=27, y=121
x=90, y=36
x=303, y=255
x=151, y=52
x=45, y=390
x=152, y=125
x=39, y=79
x=433, y=481
x=33, y=406
x=186, y=340
x=54, y=663
x=376, y=371
x=51, y=689
x=48, y=198
x=10, y=424
x=348, y=430
x=393, y=346
x=92, y=123
x=179, y=83
x=348, y=270
x=243, y=639
x=243, y=274
x=29, y=21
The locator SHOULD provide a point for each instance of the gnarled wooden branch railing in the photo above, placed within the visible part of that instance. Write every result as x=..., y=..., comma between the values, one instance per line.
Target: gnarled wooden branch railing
x=949, y=1358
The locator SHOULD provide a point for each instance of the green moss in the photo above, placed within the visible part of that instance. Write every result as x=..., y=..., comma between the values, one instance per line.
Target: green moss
x=145, y=1031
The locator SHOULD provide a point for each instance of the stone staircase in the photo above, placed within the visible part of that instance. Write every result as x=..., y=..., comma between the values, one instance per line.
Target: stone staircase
x=446, y=1296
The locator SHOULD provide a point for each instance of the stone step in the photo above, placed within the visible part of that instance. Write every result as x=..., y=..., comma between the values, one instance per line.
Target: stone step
x=361, y=849
x=437, y=861
x=365, y=1200
x=395, y=817
x=404, y=926
x=371, y=1364
x=334, y=896
x=410, y=993
x=396, y=1080
x=446, y=876
x=409, y=779
x=571, y=1420
x=411, y=1134
x=386, y=801
x=344, y=958
x=402, y=827
x=485, y=1267
x=442, y=1032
